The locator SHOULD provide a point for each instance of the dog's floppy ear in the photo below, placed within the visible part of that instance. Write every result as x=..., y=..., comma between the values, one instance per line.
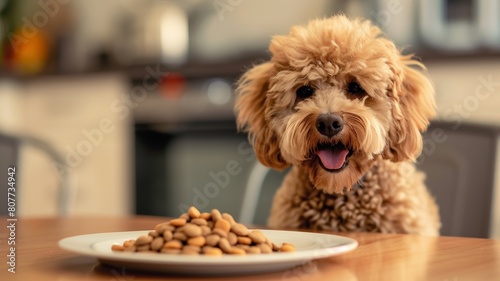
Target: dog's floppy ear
x=413, y=106
x=250, y=106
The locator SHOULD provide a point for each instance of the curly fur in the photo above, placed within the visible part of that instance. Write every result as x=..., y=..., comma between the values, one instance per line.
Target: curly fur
x=379, y=188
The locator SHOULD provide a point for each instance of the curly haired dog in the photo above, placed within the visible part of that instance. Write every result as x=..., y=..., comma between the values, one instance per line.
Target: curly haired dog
x=343, y=106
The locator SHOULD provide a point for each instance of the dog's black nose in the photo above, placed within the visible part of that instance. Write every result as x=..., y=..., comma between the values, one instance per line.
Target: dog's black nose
x=329, y=124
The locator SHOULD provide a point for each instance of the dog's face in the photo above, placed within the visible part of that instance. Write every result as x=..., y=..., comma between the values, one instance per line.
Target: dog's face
x=334, y=96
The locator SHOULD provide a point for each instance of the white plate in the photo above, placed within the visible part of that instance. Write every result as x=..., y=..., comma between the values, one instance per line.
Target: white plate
x=308, y=245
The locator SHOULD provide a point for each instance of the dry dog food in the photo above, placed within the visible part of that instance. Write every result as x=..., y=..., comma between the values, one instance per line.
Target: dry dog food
x=195, y=233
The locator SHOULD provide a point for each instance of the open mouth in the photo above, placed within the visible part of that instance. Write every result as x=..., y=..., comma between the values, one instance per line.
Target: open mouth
x=333, y=157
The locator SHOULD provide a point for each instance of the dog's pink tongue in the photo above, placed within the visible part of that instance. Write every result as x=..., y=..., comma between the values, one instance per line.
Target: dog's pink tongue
x=332, y=159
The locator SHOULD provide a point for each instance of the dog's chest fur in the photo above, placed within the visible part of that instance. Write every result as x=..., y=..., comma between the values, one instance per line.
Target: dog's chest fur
x=384, y=201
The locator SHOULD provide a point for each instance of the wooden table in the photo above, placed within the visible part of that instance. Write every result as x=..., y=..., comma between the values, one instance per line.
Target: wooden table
x=378, y=257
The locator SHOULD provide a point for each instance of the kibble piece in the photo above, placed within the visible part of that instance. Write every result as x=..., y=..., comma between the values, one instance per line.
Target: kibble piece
x=229, y=218
x=192, y=248
x=116, y=247
x=257, y=237
x=178, y=222
x=268, y=242
x=205, y=230
x=143, y=248
x=192, y=230
x=240, y=229
x=242, y=246
x=219, y=232
x=197, y=241
x=171, y=251
x=199, y=221
x=224, y=245
x=232, y=238
x=216, y=215
x=157, y=243
x=179, y=235
x=212, y=240
x=185, y=216
x=162, y=227
x=130, y=249
x=153, y=234
x=206, y=247
x=275, y=247
x=173, y=244
x=213, y=251
x=265, y=249
x=168, y=235
x=142, y=240
x=237, y=251
x=254, y=250
x=223, y=224
x=286, y=247
x=244, y=240
x=193, y=212
x=205, y=216
x=128, y=243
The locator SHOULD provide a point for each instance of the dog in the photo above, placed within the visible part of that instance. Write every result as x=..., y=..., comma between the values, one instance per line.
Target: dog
x=345, y=108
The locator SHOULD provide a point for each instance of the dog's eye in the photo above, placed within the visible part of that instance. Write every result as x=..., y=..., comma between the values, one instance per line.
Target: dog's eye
x=355, y=88
x=304, y=92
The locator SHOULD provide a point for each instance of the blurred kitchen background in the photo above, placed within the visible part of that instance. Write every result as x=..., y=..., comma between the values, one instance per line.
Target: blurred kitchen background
x=125, y=106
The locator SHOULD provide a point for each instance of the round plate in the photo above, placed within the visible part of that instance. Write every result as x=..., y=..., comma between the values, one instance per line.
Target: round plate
x=309, y=246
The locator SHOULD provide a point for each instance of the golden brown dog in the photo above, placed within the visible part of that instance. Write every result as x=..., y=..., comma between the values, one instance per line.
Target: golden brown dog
x=345, y=108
